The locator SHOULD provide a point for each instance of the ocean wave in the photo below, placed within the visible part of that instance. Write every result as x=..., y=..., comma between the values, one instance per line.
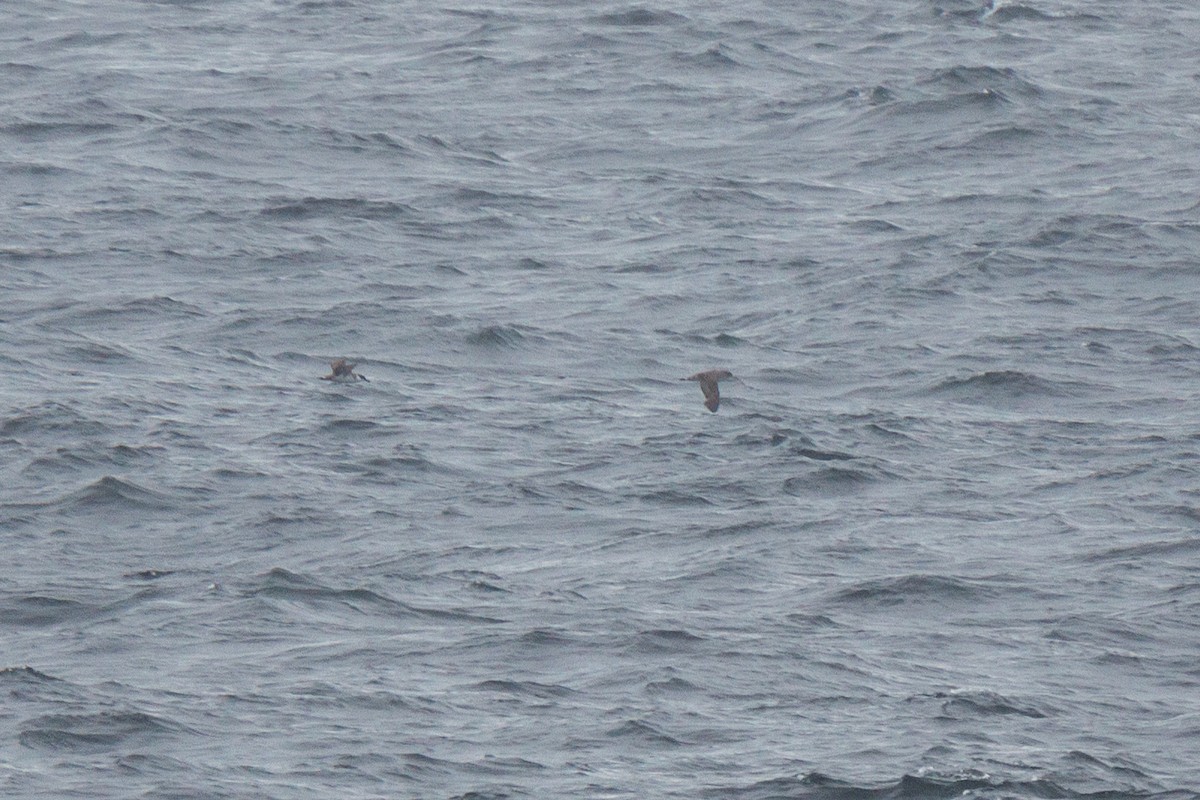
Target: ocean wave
x=836, y=479
x=643, y=732
x=640, y=17
x=1066, y=782
x=910, y=589
x=111, y=492
x=501, y=336
x=51, y=417
x=282, y=584
x=716, y=57
x=974, y=703
x=41, y=611
x=665, y=640
x=25, y=676
x=983, y=78
x=336, y=207
x=1184, y=548
x=543, y=691
x=1002, y=12
x=1001, y=386
x=101, y=732
x=932, y=786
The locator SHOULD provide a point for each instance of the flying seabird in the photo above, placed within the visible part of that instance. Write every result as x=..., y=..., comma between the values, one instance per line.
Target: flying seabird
x=708, y=384
x=343, y=371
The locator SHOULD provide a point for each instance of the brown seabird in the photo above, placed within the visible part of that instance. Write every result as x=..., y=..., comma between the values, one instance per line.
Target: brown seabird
x=708, y=384
x=343, y=371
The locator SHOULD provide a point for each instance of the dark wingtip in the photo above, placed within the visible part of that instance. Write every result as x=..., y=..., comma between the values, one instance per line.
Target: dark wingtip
x=712, y=405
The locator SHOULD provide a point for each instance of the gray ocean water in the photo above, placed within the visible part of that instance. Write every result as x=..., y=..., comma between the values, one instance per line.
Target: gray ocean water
x=942, y=538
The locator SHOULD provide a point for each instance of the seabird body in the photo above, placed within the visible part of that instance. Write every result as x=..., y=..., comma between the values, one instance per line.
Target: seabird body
x=343, y=371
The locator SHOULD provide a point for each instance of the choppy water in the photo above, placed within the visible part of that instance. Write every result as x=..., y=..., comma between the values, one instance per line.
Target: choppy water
x=941, y=538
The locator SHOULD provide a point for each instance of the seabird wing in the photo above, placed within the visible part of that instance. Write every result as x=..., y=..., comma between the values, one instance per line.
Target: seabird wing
x=712, y=397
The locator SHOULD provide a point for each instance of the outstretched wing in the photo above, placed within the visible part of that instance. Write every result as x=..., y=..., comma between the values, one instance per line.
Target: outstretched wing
x=712, y=397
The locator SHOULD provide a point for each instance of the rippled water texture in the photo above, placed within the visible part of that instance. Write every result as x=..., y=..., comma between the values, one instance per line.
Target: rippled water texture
x=940, y=539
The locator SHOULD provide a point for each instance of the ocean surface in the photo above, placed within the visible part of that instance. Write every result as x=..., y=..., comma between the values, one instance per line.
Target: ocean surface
x=942, y=538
